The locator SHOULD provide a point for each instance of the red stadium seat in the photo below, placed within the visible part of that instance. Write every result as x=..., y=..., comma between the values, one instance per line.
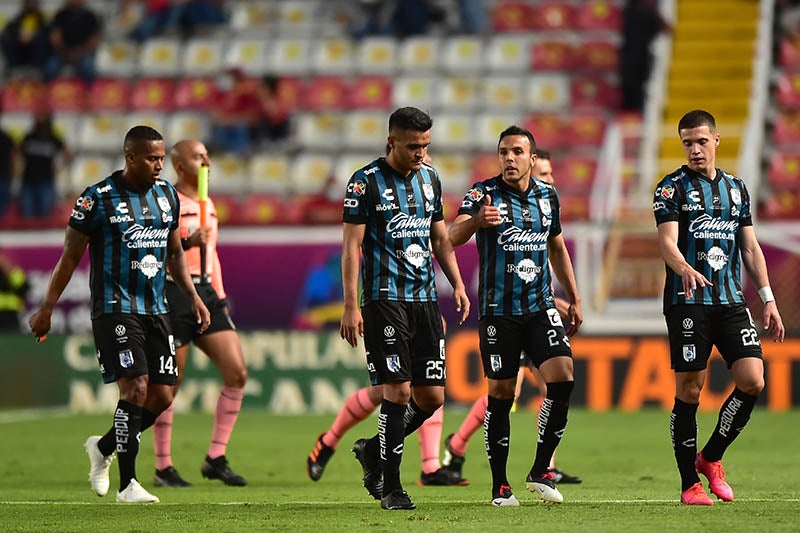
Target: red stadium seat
x=511, y=17
x=109, y=94
x=195, y=93
x=789, y=53
x=67, y=94
x=24, y=96
x=553, y=16
x=594, y=92
x=782, y=205
x=548, y=130
x=574, y=204
x=787, y=129
x=153, y=94
x=325, y=93
x=290, y=91
x=484, y=166
x=788, y=90
x=598, y=15
x=597, y=56
x=371, y=92
x=266, y=209
x=784, y=170
x=552, y=55
x=574, y=174
x=587, y=129
x=229, y=210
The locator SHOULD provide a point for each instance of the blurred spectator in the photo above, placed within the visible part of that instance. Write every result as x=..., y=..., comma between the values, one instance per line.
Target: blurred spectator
x=236, y=113
x=641, y=23
x=40, y=149
x=6, y=170
x=13, y=287
x=185, y=15
x=401, y=18
x=24, y=38
x=472, y=16
x=273, y=121
x=74, y=36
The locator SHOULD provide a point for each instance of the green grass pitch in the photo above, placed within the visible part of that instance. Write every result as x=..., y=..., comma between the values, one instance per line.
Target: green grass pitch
x=630, y=479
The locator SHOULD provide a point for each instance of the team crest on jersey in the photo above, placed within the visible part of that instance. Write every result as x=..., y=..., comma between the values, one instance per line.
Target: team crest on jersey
x=126, y=358
x=736, y=197
x=427, y=190
x=689, y=353
x=393, y=363
x=476, y=195
x=163, y=203
x=667, y=191
x=544, y=206
x=496, y=362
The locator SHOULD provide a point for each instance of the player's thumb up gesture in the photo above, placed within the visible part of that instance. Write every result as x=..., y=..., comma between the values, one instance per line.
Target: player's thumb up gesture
x=489, y=215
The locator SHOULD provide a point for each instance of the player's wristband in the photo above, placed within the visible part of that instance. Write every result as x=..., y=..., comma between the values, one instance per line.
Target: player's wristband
x=766, y=294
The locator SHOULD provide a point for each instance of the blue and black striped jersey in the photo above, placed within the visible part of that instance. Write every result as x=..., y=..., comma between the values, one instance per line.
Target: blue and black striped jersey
x=398, y=212
x=709, y=215
x=515, y=276
x=128, y=234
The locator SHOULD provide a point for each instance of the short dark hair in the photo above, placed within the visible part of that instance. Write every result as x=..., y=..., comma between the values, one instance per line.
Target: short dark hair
x=697, y=118
x=517, y=130
x=542, y=154
x=139, y=134
x=410, y=119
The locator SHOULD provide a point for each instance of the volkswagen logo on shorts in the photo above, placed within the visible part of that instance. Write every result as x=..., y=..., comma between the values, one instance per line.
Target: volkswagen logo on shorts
x=388, y=331
x=688, y=323
x=491, y=331
x=119, y=330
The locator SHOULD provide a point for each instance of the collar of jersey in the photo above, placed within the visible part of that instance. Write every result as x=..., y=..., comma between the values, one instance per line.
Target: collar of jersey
x=387, y=171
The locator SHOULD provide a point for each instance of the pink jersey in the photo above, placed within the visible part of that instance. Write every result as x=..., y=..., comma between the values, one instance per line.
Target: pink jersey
x=190, y=222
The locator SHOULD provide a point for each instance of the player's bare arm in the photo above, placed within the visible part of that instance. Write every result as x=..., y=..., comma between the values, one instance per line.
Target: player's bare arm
x=352, y=324
x=180, y=273
x=75, y=244
x=668, y=244
x=562, y=267
x=756, y=265
x=446, y=256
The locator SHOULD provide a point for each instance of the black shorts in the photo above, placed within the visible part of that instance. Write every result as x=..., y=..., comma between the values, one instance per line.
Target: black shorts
x=695, y=329
x=503, y=338
x=184, y=323
x=135, y=345
x=404, y=342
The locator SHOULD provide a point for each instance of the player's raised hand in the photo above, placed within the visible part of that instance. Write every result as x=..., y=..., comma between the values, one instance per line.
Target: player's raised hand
x=489, y=215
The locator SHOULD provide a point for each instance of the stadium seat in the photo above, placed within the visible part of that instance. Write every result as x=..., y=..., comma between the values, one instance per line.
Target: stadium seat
x=574, y=173
x=325, y=93
x=598, y=15
x=462, y=55
x=454, y=170
x=195, y=93
x=786, y=131
x=419, y=54
x=371, y=92
x=593, y=92
x=229, y=208
x=547, y=92
x=66, y=125
x=155, y=94
x=269, y=173
x=186, y=125
x=87, y=170
x=253, y=18
x=102, y=132
x=365, y=130
x=553, y=16
x=784, y=170
x=346, y=165
x=574, y=204
x=503, y=93
x=453, y=131
x=549, y=130
x=333, y=56
x=511, y=17
x=297, y=18
x=66, y=94
x=601, y=56
x=319, y=131
x=23, y=95
x=508, y=53
x=229, y=174
x=290, y=91
x=249, y=54
x=484, y=165
x=417, y=91
x=263, y=209
x=586, y=129
x=789, y=53
x=117, y=58
x=549, y=54
x=289, y=57
x=201, y=57
x=459, y=93
x=153, y=118
x=488, y=127
x=159, y=57
x=109, y=94
x=376, y=55
x=781, y=205
x=16, y=124
x=310, y=171
x=787, y=92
